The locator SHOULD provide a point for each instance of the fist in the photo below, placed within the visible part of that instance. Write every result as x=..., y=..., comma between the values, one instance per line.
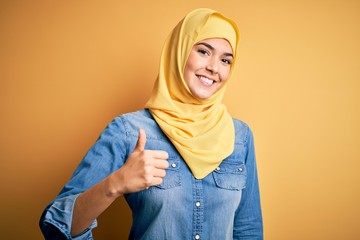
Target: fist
x=143, y=169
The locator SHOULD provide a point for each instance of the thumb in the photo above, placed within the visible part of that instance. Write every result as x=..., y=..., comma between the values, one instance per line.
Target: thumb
x=140, y=145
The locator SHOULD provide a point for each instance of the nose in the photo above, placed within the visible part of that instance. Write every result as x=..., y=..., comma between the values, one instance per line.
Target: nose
x=212, y=66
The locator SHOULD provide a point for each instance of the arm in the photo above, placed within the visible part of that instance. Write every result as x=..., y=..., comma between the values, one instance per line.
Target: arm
x=100, y=178
x=142, y=169
x=248, y=219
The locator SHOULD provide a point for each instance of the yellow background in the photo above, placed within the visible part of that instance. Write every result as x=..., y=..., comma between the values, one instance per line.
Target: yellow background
x=67, y=68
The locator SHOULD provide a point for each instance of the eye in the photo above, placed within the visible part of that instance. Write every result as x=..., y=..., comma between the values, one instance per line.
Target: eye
x=226, y=61
x=203, y=51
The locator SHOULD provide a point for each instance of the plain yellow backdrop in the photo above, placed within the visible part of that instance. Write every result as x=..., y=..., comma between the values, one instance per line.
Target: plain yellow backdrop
x=67, y=68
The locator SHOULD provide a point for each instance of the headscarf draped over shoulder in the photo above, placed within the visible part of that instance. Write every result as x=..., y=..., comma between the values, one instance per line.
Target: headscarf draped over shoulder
x=201, y=129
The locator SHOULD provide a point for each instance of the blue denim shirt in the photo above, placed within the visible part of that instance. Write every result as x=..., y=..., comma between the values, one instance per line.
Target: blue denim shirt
x=223, y=205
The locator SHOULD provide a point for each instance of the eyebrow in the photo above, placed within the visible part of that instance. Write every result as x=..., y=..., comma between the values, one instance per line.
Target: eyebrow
x=212, y=48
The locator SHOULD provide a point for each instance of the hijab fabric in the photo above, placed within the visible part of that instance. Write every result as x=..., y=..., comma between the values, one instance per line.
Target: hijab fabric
x=200, y=129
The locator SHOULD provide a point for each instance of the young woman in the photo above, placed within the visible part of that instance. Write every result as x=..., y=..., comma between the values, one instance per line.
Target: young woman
x=186, y=168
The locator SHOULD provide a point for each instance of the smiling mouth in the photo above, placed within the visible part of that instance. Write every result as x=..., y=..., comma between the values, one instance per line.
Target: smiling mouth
x=206, y=81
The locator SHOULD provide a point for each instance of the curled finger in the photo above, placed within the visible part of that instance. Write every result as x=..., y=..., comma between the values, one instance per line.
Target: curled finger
x=159, y=173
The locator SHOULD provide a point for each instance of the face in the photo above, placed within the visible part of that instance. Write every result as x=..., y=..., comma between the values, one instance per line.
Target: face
x=208, y=67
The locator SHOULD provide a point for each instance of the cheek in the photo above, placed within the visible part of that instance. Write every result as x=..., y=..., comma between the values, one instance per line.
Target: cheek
x=188, y=64
x=225, y=74
x=188, y=72
x=195, y=61
x=192, y=63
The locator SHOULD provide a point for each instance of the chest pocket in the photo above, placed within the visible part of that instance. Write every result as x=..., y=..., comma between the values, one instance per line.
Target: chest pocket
x=172, y=178
x=230, y=176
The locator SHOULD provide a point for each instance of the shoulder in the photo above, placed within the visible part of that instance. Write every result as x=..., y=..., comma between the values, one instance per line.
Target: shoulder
x=125, y=123
x=135, y=118
x=134, y=121
x=243, y=132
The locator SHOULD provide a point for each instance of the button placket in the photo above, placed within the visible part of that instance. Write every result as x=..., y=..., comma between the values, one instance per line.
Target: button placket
x=198, y=210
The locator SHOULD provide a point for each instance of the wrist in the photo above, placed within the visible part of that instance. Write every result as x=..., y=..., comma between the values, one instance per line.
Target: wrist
x=112, y=187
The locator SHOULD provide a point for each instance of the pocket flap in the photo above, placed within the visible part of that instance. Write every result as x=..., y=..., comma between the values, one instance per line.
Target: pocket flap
x=230, y=176
x=172, y=178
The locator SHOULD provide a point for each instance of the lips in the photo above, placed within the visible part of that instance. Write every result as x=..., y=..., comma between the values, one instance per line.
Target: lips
x=206, y=81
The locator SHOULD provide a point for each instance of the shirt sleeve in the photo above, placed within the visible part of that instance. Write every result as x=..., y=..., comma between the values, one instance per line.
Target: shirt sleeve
x=248, y=222
x=56, y=220
x=105, y=156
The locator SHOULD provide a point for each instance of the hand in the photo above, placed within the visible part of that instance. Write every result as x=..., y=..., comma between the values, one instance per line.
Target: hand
x=143, y=168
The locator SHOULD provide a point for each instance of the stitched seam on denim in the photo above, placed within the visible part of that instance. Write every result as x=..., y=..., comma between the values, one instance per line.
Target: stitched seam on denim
x=198, y=212
x=127, y=143
x=126, y=117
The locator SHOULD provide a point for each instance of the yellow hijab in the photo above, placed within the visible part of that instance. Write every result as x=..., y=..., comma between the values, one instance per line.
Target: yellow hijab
x=201, y=129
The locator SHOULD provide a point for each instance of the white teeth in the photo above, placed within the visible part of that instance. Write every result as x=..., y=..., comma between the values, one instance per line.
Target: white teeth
x=206, y=81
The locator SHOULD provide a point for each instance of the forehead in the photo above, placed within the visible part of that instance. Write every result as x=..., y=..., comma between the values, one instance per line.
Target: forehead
x=219, y=44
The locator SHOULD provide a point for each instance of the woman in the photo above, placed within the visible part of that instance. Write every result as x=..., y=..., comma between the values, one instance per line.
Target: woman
x=185, y=167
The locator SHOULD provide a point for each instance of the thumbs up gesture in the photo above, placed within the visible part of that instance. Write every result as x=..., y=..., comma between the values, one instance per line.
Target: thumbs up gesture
x=143, y=168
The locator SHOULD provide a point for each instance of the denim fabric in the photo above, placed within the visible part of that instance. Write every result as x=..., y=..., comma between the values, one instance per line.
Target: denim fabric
x=223, y=205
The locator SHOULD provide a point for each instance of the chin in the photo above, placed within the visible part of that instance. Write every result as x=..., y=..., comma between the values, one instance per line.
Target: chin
x=203, y=96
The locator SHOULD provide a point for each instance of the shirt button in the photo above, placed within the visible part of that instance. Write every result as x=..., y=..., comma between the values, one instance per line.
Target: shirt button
x=197, y=236
x=240, y=169
x=198, y=204
x=218, y=168
x=173, y=165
